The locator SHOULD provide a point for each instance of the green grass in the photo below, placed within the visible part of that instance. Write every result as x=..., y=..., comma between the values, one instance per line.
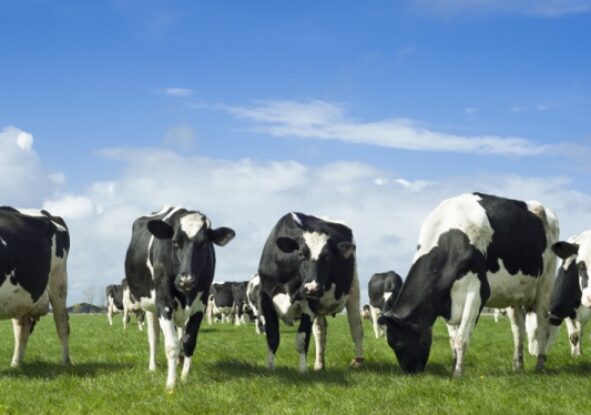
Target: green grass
x=229, y=376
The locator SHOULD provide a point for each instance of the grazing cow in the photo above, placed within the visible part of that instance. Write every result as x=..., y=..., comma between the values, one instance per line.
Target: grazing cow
x=120, y=300
x=382, y=288
x=475, y=250
x=308, y=270
x=253, y=295
x=221, y=301
x=366, y=312
x=169, y=267
x=34, y=247
x=241, y=307
x=571, y=296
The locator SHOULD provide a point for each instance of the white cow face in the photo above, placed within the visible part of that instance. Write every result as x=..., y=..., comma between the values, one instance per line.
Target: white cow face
x=578, y=249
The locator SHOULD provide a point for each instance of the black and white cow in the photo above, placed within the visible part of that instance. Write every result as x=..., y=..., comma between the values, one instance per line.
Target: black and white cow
x=242, y=309
x=571, y=297
x=253, y=295
x=169, y=267
x=120, y=300
x=221, y=302
x=382, y=288
x=475, y=250
x=34, y=249
x=308, y=270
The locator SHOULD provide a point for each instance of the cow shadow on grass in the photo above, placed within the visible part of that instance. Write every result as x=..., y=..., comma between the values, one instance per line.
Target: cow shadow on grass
x=234, y=368
x=48, y=370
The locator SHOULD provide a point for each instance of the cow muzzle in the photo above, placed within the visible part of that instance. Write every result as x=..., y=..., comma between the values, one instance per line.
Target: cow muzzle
x=185, y=282
x=313, y=290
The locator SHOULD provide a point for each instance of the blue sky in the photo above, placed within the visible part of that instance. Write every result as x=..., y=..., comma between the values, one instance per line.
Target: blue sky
x=434, y=96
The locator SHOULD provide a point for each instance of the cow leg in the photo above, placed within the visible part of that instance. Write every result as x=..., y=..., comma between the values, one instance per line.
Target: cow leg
x=271, y=329
x=303, y=339
x=190, y=342
x=375, y=314
x=110, y=314
x=319, y=328
x=125, y=317
x=354, y=318
x=171, y=348
x=21, y=328
x=58, y=292
x=153, y=334
x=452, y=329
x=575, y=336
x=140, y=316
x=460, y=342
x=517, y=318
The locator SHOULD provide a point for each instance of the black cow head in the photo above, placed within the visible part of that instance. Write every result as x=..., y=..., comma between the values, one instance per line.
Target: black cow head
x=191, y=239
x=411, y=343
x=316, y=253
x=579, y=249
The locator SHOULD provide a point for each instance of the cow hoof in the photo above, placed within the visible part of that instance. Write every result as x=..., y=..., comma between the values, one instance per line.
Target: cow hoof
x=318, y=366
x=357, y=362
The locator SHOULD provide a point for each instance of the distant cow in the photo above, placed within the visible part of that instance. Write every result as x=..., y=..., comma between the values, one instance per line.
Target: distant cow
x=570, y=298
x=475, y=250
x=253, y=295
x=120, y=300
x=34, y=247
x=366, y=312
x=382, y=288
x=308, y=270
x=221, y=302
x=241, y=307
x=169, y=266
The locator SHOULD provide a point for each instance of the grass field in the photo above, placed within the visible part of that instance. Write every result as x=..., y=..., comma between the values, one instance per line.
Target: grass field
x=229, y=376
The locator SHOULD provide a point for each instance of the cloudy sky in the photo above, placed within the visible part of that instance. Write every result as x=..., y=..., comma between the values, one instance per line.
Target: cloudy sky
x=367, y=112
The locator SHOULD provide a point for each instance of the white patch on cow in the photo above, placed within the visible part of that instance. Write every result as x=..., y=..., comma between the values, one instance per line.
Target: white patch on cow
x=465, y=288
x=387, y=295
x=508, y=290
x=286, y=310
x=162, y=211
x=192, y=223
x=328, y=303
x=296, y=219
x=15, y=301
x=3, y=242
x=148, y=257
x=149, y=303
x=311, y=286
x=463, y=213
x=315, y=242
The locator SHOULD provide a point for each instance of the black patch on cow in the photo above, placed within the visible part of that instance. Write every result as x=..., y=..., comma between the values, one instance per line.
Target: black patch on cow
x=426, y=291
x=522, y=250
x=381, y=283
x=27, y=252
x=223, y=294
x=566, y=296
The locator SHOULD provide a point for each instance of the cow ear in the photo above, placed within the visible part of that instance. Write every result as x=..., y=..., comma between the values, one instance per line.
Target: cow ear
x=287, y=245
x=160, y=229
x=347, y=249
x=389, y=317
x=565, y=249
x=221, y=236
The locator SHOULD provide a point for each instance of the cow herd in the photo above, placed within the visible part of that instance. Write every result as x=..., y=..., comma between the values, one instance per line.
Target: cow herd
x=474, y=250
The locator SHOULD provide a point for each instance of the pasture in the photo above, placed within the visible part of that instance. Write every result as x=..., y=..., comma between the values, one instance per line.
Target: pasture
x=229, y=376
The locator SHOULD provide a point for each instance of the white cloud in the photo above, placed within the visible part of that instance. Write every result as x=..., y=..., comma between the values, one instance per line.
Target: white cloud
x=181, y=136
x=384, y=210
x=471, y=111
x=540, y=8
x=326, y=121
x=177, y=92
x=24, y=182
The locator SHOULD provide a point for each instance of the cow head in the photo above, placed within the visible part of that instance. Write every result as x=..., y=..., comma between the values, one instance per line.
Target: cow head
x=315, y=254
x=191, y=238
x=411, y=342
x=578, y=250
